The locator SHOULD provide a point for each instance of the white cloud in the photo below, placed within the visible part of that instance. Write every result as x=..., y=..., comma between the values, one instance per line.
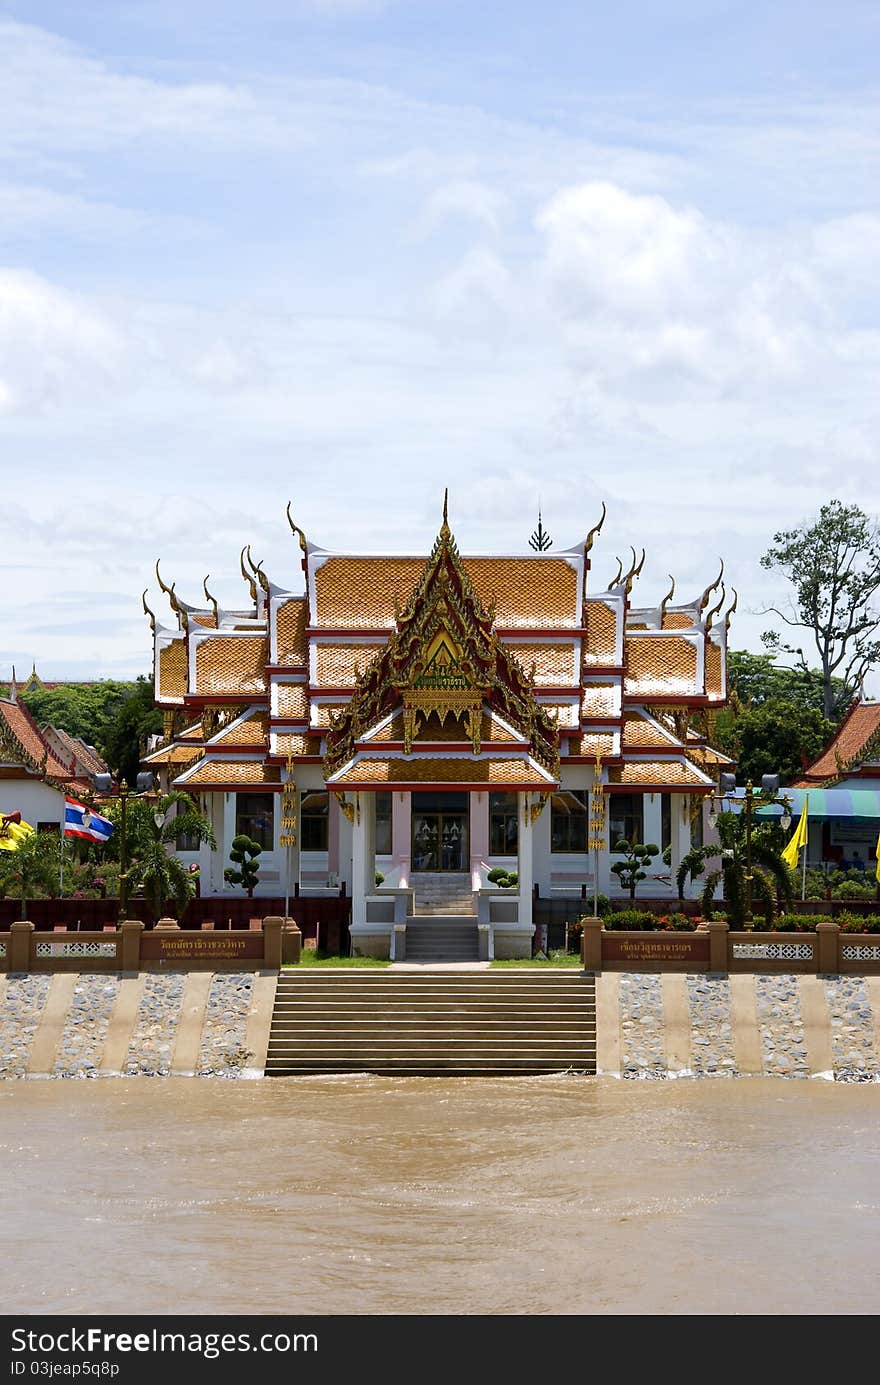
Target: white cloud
x=54, y=345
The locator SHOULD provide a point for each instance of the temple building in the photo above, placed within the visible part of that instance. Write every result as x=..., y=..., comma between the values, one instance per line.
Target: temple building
x=410, y=725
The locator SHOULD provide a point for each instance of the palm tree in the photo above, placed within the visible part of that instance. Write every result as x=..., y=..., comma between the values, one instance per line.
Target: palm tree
x=153, y=828
x=32, y=868
x=771, y=877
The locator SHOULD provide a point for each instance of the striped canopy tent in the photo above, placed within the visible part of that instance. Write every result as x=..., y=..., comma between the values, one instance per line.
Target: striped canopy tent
x=824, y=803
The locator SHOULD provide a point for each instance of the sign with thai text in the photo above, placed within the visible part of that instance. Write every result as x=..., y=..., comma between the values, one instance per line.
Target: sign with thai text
x=174, y=947
x=634, y=949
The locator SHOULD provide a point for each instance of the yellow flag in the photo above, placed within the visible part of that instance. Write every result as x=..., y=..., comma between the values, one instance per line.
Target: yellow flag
x=12, y=834
x=877, y=854
x=798, y=839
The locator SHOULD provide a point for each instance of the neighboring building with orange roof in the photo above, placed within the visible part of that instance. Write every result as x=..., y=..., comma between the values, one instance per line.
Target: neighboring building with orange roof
x=34, y=777
x=435, y=717
x=852, y=754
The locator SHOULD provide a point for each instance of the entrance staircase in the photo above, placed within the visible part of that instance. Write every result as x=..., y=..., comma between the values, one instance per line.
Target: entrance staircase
x=439, y=939
x=443, y=892
x=424, y=1023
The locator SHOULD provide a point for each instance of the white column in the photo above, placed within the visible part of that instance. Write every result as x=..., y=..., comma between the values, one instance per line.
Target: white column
x=681, y=833
x=524, y=864
x=224, y=840
x=359, y=853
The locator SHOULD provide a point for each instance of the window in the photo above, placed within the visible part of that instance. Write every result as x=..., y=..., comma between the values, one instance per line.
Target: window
x=383, y=824
x=568, y=820
x=188, y=841
x=626, y=818
x=665, y=821
x=503, y=824
x=314, y=819
x=255, y=818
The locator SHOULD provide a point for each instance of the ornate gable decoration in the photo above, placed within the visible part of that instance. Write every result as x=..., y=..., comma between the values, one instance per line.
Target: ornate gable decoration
x=443, y=657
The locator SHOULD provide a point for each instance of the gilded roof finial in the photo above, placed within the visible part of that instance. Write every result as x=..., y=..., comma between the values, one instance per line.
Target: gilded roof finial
x=710, y=615
x=172, y=597
x=213, y=601
x=444, y=528
x=248, y=577
x=667, y=598
x=147, y=612
x=704, y=599
x=258, y=572
x=731, y=609
x=635, y=570
x=617, y=576
x=595, y=531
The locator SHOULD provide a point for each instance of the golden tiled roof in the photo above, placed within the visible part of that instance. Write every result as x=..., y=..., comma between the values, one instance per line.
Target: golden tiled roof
x=291, y=700
x=648, y=772
x=600, y=700
x=294, y=743
x=661, y=665
x=714, y=682
x=707, y=757
x=252, y=731
x=638, y=731
x=555, y=664
x=292, y=619
x=600, y=645
x=565, y=715
x=338, y=663
x=206, y=619
x=231, y=665
x=677, y=620
x=172, y=671
x=454, y=730
x=192, y=733
x=441, y=771
x=178, y=755
x=322, y=712
x=244, y=772
x=595, y=743
x=528, y=592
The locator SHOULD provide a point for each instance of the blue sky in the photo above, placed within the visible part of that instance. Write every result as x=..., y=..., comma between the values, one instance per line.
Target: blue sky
x=347, y=252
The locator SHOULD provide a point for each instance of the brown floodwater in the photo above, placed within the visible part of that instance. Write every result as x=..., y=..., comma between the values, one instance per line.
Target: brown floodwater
x=379, y=1195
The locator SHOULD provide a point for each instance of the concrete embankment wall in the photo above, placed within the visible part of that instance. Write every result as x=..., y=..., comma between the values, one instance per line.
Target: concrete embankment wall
x=648, y=1025
x=155, y=1024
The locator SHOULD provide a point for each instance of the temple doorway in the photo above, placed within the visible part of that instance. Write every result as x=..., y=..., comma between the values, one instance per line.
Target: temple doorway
x=440, y=832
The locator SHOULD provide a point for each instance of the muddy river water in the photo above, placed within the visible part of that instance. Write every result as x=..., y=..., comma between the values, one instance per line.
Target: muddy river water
x=376, y=1195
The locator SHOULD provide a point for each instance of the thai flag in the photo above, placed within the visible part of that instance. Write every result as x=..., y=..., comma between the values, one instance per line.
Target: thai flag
x=80, y=821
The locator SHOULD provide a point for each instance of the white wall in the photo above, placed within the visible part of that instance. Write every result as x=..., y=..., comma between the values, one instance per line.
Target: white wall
x=37, y=802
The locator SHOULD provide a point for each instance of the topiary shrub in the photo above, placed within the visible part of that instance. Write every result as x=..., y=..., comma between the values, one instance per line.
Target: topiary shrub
x=245, y=853
x=638, y=859
x=505, y=880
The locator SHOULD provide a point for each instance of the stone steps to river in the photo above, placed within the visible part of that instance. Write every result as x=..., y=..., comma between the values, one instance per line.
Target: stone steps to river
x=426, y=1023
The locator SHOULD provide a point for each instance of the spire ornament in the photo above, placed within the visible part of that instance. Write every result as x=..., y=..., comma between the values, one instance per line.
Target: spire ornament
x=540, y=539
x=211, y=600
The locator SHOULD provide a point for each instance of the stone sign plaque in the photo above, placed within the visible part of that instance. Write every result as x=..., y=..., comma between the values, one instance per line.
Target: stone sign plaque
x=170, y=947
x=679, y=951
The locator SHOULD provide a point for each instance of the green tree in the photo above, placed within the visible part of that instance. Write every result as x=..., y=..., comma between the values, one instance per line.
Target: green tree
x=245, y=853
x=775, y=737
x=754, y=679
x=152, y=827
x=833, y=563
x=115, y=717
x=771, y=877
x=33, y=869
x=124, y=738
x=638, y=861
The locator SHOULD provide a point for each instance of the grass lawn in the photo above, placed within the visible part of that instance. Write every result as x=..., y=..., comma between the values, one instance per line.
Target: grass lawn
x=310, y=958
x=556, y=959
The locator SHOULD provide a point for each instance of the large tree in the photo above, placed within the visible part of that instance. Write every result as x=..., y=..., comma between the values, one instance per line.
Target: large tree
x=833, y=563
x=114, y=717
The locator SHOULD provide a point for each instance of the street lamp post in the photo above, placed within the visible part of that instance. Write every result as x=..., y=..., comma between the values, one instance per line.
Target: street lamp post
x=144, y=785
x=769, y=790
x=596, y=840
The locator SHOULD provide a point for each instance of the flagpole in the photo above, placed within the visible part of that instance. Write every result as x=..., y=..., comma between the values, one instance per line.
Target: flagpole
x=806, y=840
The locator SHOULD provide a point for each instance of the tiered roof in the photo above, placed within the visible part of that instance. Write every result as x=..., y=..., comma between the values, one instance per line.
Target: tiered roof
x=854, y=751
x=24, y=750
x=410, y=671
